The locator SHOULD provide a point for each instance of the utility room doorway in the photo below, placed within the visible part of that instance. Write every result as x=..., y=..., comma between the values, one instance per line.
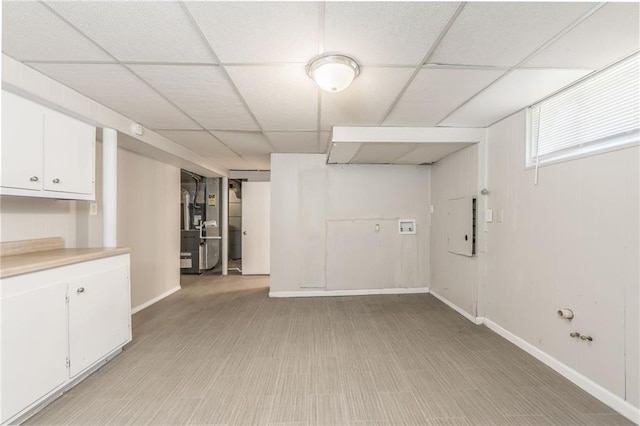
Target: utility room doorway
x=249, y=227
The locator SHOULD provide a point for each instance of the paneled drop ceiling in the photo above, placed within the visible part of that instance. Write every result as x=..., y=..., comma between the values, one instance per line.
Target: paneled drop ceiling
x=227, y=79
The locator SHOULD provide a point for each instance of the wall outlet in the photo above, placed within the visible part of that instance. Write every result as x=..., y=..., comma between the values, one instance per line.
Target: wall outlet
x=93, y=209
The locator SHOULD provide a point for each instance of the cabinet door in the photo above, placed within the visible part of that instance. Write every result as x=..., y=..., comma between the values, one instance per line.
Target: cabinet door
x=69, y=154
x=22, y=129
x=99, y=316
x=34, y=346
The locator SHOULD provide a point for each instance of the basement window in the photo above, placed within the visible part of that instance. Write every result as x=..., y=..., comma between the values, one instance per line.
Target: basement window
x=598, y=114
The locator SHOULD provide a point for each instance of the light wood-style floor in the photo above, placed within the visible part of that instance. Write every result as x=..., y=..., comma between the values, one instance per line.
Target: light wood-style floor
x=221, y=352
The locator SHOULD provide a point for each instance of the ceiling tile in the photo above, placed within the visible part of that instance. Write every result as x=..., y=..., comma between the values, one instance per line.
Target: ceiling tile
x=281, y=97
x=502, y=33
x=435, y=92
x=138, y=31
x=376, y=33
x=251, y=32
x=245, y=143
x=427, y=153
x=117, y=88
x=381, y=153
x=609, y=34
x=198, y=141
x=25, y=39
x=515, y=91
x=367, y=100
x=298, y=142
x=259, y=162
x=203, y=92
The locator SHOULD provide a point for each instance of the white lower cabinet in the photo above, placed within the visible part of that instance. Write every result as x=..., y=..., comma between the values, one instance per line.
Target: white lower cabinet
x=98, y=316
x=34, y=346
x=58, y=324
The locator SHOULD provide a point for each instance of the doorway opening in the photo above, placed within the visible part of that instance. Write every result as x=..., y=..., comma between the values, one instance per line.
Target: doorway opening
x=200, y=238
x=235, y=226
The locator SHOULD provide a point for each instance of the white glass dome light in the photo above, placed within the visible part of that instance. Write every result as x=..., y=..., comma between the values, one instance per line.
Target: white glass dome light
x=333, y=73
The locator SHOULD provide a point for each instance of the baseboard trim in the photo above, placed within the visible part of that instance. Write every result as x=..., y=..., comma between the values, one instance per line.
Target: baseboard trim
x=458, y=309
x=588, y=385
x=597, y=391
x=332, y=293
x=154, y=300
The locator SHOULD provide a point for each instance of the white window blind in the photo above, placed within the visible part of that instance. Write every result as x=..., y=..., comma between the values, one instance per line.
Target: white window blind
x=600, y=112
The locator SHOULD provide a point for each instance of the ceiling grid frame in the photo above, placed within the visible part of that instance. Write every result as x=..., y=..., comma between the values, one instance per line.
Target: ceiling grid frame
x=432, y=49
x=117, y=62
x=546, y=44
x=195, y=24
x=280, y=92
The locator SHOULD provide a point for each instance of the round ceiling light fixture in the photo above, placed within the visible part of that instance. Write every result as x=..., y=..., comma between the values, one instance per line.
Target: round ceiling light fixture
x=333, y=72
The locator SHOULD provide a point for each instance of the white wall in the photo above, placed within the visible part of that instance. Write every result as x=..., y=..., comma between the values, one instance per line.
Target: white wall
x=31, y=218
x=148, y=221
x=321, y=213
x=453, y=276
x=570, y=241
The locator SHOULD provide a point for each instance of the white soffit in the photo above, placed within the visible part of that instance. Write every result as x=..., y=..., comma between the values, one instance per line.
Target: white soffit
x=281, y=97
x=399, y=33
x=119, y=89
x=198, y=141
x=515, y=91
x=381, y=153
x=606, y=36
x=251, y=32
x=31, y=32
x=141, y=31
x=406, y=134
x=503, y=33
x=395, y=145
x=367, y=99
x=203, y=92
x=436, y=92
x=431, y=152
x=298, y=142
x=342, y=152
x=245, y=143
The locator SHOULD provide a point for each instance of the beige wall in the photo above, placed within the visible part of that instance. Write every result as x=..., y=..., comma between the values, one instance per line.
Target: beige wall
x=453, y=276
x=148, y=222
x=570, y=241
x=323, y=221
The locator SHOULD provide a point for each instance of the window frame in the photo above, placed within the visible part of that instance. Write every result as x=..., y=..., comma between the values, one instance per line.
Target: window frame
x=594, y=147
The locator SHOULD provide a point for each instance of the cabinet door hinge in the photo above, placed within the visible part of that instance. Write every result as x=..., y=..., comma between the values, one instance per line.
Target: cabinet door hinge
x=68, y=362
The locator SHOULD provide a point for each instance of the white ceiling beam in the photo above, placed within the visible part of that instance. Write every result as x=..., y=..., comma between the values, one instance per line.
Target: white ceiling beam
x=405, y=134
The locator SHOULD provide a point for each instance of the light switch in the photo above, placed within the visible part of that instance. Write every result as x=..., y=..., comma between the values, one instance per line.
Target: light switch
x=489, y=216
x=500, y=215
x=93, y=209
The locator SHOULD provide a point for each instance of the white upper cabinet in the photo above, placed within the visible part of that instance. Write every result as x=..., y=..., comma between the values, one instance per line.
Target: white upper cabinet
x=45, y=153
x=69, y=149
x=22, y=130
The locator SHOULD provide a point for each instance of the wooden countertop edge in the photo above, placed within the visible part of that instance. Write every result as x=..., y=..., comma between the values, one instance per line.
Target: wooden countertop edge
x=39, y=261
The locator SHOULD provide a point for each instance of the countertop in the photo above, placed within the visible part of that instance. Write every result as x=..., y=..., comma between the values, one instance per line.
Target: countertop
x=18, y=264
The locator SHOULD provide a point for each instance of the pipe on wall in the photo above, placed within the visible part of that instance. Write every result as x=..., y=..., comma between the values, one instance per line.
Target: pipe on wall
x=109, y=187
